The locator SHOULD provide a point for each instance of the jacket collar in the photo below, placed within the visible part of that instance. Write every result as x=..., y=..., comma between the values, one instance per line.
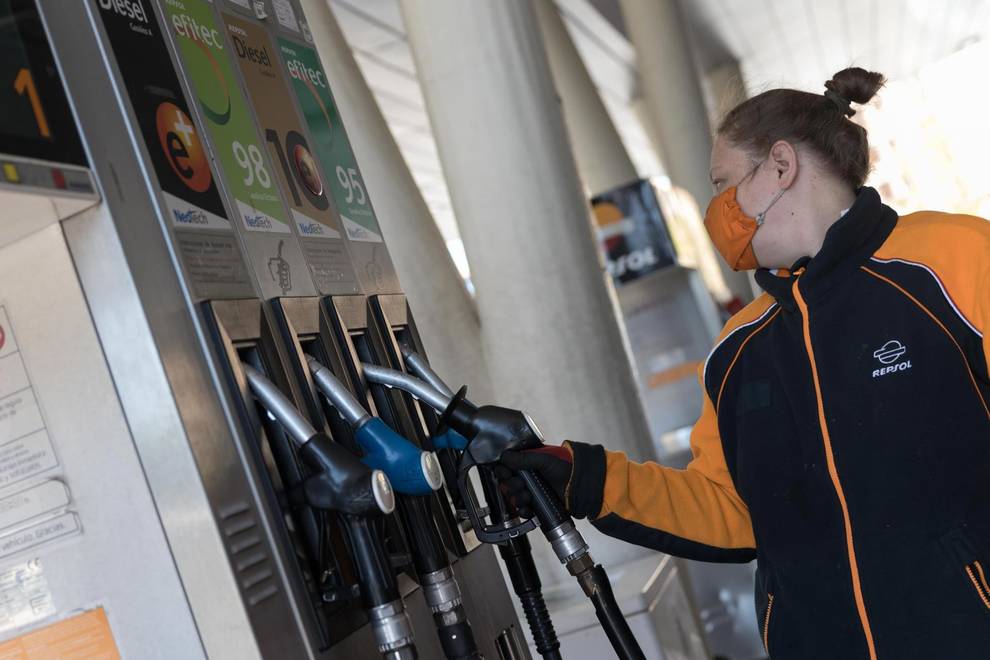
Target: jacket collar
x=848, y=244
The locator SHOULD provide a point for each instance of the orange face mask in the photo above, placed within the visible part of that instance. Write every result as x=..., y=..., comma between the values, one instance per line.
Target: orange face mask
x=732, y=231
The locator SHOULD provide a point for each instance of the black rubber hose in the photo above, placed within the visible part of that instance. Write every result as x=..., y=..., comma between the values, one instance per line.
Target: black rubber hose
x=517, y=555
x=378, y=586
x=421, y=531
x=457, y=639
x=429, y=555
x=595, y=583
x=375, y=576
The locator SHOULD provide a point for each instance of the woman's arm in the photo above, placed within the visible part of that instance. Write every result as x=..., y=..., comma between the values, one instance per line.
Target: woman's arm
x=694, y=513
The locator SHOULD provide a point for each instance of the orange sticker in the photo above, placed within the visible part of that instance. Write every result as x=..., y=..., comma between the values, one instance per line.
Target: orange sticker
x=85, y=636
x=658, y=379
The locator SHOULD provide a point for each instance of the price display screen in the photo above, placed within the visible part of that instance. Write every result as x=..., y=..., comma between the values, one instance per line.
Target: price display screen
x=35, y=120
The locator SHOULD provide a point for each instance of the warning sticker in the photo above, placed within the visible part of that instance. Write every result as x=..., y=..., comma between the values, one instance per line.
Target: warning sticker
x=86, y=635
x=24, y=596
x=61, y=526
x=286, y=15
x=25, y=446
x=48, y=496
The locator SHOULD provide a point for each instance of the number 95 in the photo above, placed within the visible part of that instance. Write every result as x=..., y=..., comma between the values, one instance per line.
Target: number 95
x=351, y=182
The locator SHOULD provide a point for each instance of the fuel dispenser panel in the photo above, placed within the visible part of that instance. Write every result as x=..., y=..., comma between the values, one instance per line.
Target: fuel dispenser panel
x=353, y=323
x=330, y=344
x=230, y=198
x=308, y=335
x=242, y=331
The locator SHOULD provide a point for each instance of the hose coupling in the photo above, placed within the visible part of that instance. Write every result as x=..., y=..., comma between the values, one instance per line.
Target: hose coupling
x=441, y=590
x=391, y=626
x=567, y=542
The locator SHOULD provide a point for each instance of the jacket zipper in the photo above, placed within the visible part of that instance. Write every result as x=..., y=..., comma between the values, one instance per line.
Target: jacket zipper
x=979, y=582
x=834, y=474
x=766, y=623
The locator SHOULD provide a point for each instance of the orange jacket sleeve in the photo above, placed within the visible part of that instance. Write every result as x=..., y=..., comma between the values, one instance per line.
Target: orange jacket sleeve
x=694, y=513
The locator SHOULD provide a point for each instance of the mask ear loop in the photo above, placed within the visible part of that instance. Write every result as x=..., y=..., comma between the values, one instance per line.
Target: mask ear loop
x=761, y=217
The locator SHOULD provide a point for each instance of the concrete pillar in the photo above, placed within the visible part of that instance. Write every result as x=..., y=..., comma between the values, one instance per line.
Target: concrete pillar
x=445, y=314
x=548, y=320
x=602, y=159
x=674, y=103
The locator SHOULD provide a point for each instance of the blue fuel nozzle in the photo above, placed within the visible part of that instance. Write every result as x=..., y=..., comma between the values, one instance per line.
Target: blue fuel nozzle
x=450, y=439
x=411, y=470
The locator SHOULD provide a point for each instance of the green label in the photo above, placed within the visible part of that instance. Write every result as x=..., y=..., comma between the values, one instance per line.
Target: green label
x=309, y=83
x=248, y=173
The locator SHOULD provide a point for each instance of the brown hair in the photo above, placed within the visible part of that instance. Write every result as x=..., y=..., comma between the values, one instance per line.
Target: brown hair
x=818, y=121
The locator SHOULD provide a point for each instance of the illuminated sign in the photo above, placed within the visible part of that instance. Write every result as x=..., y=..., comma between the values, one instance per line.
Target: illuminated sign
x=35, y=121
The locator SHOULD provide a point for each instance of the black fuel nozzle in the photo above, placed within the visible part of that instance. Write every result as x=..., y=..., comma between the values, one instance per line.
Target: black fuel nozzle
x=341, y=482
x=411, y=470
x=492, y=431
x=515, y=551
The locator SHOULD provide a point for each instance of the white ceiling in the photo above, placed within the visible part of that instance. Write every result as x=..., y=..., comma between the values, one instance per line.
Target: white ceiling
x=801, y=43
x=797, y=43
x=376, y=33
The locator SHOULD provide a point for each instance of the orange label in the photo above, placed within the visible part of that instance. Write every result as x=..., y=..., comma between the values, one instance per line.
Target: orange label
x=660, y=379
x=86, y=636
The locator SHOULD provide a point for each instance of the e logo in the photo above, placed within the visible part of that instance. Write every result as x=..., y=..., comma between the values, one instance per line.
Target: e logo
x=182, y=147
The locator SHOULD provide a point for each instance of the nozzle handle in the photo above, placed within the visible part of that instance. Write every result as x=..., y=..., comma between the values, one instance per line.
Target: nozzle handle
x=411, y=470
x=497, y=533
x=343, y=483
x=422, y=369
x=548, y=509
x=278, y=405
x=337, y=394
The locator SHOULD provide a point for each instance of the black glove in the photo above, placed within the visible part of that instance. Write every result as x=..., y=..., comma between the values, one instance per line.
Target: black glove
x=552, y=464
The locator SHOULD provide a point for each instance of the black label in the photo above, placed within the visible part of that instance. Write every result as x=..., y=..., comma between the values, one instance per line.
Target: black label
x=175, y=145
x=632, y=231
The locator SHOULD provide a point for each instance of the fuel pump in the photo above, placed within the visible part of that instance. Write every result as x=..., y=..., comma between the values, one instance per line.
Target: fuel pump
x=491, y=431
x=416, y=475
x=360, y=494
x=516, y=551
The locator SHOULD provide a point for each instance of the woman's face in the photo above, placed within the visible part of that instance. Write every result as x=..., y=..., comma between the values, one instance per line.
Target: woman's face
x=757, y=183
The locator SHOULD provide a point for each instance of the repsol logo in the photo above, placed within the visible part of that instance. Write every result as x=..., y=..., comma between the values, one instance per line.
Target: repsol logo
x=300, y=71
x=633, y=262
x=250, y=53
x=888, y=354
x=900, y=366
x=126, y=8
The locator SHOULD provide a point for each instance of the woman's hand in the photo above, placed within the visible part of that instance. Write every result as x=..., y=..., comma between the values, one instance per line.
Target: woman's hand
x=553, y=464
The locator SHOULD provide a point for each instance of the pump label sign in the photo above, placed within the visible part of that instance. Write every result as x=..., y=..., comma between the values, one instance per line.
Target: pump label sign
x=309, y=83
x=632, y=232
x=177, y=152
x=295, y=167
x=248, y=173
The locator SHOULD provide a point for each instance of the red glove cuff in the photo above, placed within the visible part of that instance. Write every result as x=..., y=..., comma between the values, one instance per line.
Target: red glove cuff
x=556, y=451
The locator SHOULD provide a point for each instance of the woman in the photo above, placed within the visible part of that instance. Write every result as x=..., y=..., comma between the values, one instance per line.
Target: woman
x=844, y=440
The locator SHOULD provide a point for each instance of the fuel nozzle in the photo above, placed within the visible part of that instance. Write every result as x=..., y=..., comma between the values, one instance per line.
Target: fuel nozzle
x=340, y=482
x=411, y=470
x=491, y=431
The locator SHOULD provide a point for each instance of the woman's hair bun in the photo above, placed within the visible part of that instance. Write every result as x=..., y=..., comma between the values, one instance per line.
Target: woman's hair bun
x=855, y=84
